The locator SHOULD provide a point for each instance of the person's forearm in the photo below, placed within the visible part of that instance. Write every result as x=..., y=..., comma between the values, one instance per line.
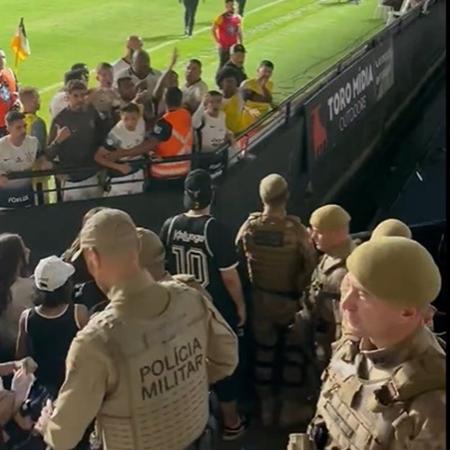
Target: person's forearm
x=234, y=287
x=139, y=150
x=7, y=368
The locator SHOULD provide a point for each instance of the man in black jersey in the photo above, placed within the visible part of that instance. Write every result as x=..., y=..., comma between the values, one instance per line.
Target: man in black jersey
x=199, y=245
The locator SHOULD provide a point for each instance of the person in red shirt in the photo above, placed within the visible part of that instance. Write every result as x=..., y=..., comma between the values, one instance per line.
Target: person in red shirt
x=227, y=31
x=8, y=92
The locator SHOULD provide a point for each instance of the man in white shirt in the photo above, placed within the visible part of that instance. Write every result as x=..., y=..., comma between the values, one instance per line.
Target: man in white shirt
x=127, y=133
x=211, y=134
x=133, y=44
x=18, y=152
x=142, y=74
x=195, y=88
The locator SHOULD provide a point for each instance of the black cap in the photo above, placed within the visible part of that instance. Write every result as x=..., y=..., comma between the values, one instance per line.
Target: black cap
x=198, y=190
x=238, y=48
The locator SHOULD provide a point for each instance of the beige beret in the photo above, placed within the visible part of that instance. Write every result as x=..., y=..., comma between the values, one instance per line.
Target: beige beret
x=396, y=270
x=391, y=227
x=152, y=253
x=329, y=218
x=272, y=186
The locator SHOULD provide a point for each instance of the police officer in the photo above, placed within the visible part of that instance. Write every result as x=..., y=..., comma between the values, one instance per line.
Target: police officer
x=142, y=366
x=386, y=388
x=391, y=227
x=280, y=259
x=329, y=228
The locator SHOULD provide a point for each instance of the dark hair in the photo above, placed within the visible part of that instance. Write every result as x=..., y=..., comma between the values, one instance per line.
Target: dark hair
x=104, y=66
x=195, y=61
x=58, y=297
x=130, y=108
x=214, y=93
x=81, y=66
x=13, y=116
x=266, y=63
x=73, y=75
x=75, y=85
x=227, y=73
x=142, y=53
x=122, y=79
x=12, y=257
x=173, y=97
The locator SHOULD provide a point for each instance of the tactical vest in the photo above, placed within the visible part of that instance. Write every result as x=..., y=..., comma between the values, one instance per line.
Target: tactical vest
x=273, y=250
x=363, y=415
x=161, y=398
x=324, y=294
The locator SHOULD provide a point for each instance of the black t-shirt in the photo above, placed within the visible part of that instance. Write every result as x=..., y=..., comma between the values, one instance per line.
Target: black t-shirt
x=202, y=247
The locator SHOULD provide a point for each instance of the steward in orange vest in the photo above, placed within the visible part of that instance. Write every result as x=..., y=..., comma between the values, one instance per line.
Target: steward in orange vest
x=8, y=91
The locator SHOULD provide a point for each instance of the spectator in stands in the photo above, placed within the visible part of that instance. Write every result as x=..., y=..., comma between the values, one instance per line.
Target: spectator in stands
x=257, y=92
x=227, y=31
x=59, y=101
x=35, y=126
x=75, y=135
x=238, y=116
x=141, y=72
x=210, y=126
x=195, y=88
x=236, y=63
x=211, y=134
x=133, y=44
x=104, y=75
x=171, y=136
x=128, y=133
x=104, y=98
x=16, y=291
x=18, y=153
x=167, y=80
x=8, y=92
x=47, y=330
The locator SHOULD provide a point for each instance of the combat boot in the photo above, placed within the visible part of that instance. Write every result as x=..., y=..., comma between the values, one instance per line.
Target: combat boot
x=293, y=413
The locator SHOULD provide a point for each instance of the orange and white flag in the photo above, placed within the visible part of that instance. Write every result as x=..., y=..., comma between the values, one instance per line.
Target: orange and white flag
x=19, y=43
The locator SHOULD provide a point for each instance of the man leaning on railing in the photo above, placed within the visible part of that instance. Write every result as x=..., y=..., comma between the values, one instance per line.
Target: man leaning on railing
x=18, y=152
x=75, y=135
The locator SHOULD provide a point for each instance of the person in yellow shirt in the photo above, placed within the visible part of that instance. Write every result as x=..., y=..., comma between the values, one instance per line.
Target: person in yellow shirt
x=257, y=92
x=238, y=117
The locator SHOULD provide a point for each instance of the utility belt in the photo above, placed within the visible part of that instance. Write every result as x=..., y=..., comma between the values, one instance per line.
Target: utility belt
x=289, y=294
x=208, y=440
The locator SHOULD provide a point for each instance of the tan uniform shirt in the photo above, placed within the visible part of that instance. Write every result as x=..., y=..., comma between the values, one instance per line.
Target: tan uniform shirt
x=368, y=402
x=94, y=385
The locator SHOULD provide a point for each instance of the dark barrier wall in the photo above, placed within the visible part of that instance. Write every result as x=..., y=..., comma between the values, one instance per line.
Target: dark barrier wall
x=50, y=229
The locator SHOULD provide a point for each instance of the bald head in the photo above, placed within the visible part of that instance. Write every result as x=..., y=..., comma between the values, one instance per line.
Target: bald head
x=141, y=62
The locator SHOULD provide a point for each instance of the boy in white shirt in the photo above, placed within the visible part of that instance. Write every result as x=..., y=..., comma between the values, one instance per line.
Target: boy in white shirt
x=127, y=133
x=211, y=133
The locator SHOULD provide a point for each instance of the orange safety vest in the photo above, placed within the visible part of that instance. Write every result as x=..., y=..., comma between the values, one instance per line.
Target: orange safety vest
x=179, y=143
x=8, y=89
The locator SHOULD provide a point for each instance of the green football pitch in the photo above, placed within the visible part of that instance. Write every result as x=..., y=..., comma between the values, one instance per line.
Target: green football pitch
x=302, y=37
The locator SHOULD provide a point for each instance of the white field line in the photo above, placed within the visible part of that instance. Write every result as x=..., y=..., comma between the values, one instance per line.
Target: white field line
x=174, y=41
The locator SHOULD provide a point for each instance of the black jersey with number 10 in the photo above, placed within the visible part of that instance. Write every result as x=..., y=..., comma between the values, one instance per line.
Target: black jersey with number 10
x=202, y=247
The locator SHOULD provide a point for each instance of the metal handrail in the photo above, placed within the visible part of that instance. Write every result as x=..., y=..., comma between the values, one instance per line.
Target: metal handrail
x=277, y=117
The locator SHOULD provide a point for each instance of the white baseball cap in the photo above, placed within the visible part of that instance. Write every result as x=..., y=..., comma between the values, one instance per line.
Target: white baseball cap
x=51, y=273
